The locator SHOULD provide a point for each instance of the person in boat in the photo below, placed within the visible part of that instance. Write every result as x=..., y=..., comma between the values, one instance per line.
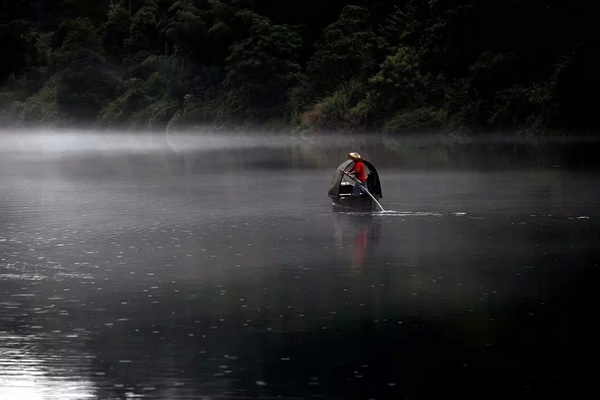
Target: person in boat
x=359, y=172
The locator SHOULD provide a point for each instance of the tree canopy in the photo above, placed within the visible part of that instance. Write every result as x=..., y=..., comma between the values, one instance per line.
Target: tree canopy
x=405, y=65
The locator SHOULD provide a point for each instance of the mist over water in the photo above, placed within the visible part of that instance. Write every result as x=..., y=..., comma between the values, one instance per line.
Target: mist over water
x=211, y=265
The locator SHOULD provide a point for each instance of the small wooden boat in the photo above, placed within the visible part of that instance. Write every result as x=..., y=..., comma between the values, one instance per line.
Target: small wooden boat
x=342, y=186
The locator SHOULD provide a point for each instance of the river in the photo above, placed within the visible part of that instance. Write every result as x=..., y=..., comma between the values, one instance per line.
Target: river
x=212, y=266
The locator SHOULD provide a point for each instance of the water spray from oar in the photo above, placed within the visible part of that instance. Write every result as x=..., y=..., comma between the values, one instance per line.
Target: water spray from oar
x=363, y=187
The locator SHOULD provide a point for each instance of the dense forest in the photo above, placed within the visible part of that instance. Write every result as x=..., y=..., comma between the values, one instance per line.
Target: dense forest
x=388, y=66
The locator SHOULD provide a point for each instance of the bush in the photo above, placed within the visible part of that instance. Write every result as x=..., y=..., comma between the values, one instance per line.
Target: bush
x=419, y=119
x=345, y=108
x=41, y=107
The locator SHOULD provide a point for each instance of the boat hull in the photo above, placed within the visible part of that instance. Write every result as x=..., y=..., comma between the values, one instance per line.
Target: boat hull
x=354, y=203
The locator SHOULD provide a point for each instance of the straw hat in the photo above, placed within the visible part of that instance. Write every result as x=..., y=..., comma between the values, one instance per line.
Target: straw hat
x=354, y=156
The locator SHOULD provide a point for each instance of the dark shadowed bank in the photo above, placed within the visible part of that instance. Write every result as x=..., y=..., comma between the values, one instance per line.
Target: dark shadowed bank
x=384, y=66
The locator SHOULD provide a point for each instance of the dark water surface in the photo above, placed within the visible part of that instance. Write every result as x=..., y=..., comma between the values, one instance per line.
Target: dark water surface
x=216, y=269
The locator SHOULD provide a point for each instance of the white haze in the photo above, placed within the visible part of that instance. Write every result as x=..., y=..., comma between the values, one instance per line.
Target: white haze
x=58, y=143
x=50, y=142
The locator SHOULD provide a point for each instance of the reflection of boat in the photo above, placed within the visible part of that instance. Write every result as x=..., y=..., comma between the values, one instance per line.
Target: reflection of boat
x=356, y=235
x=341, y=188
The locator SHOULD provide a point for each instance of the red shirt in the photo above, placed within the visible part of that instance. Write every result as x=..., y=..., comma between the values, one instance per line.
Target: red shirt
x=359, y=171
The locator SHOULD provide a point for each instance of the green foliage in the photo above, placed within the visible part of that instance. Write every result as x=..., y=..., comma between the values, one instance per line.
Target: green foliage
x=193, y=111
x=459, y=102
x=399, y=83
x=129, y=100
x=510, y=107
x=438, y=29
x=401, y=26
x=22, y=47
x=299, y=100
x=42, y=107
x=413, y=65
x=92, y=10
x=344, y=108
x=347, y=49
x=417, y=119
x=200, y=101
x=83, y=83
x=184, y=26
x=144, y=32
x=157, y=113
x=136, y=106
x=83, y=90
x=162, y=92
x=261, y=71
x=221, y=31
x=82, y=44
x=494, y=79
x=117, y=31
x=221, y=10
x=492, y=71
x=575, y=83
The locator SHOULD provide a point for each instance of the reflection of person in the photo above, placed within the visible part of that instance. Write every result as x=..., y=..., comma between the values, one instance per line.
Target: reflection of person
x=359, y=172
x=361, y=244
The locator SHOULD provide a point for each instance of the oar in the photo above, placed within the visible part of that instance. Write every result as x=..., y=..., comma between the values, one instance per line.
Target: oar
x=363, y=187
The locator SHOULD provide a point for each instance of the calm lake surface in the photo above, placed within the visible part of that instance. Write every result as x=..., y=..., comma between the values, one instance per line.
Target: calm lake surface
x=213, y=267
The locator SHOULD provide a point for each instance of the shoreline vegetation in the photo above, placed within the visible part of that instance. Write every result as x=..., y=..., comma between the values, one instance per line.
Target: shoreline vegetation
x=392, y=68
